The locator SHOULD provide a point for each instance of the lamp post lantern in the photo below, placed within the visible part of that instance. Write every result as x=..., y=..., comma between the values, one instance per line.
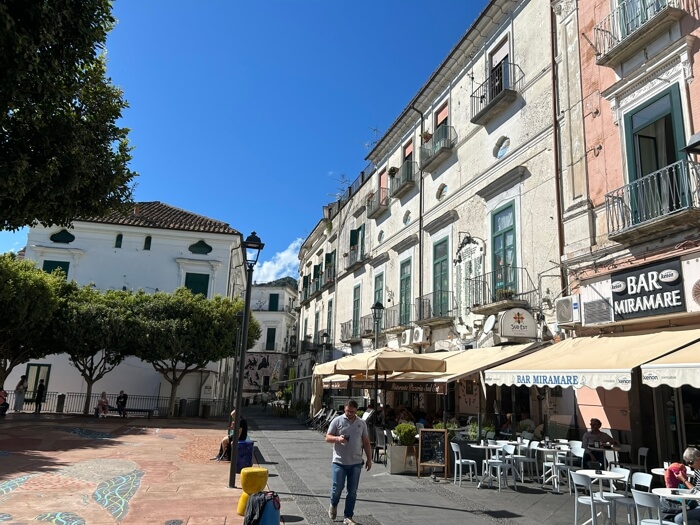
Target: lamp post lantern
x=325, y=341
x=377, y=313
x=252, y=247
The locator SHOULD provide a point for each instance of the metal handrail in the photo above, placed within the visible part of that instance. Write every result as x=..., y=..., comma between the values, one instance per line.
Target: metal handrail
x=378, y=199
x=444, y=137
x=407, y=173
x=669, y=190
x=505, y=283
x=505, y=75
x=435, y=305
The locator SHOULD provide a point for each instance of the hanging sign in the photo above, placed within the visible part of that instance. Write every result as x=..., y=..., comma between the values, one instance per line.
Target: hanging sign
x=653, y=289
x=517, y=322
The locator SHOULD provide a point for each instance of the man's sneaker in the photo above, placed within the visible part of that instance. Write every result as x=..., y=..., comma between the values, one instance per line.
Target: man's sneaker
x=332, y=512
x=349, y=521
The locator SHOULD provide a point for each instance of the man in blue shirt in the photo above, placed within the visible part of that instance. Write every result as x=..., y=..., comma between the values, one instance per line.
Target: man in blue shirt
x=349, y=436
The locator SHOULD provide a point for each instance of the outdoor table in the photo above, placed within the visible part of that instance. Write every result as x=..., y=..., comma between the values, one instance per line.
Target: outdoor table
x=601, y=475
x=612, y=448
x=661, y=471
x=553, y=472
x=682, y=494
x=488, y=452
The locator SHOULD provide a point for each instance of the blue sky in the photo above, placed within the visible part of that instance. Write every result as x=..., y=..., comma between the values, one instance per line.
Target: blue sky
x=252, y=112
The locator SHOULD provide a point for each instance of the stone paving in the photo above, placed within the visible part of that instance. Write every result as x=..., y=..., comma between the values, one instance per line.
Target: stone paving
x=79, y=470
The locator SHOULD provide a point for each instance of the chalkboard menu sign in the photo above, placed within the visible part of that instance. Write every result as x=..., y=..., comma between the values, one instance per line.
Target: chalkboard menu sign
x=432, y=449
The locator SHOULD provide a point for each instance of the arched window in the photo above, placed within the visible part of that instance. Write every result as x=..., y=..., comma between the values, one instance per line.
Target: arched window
x=147, y=243
x=118, y=241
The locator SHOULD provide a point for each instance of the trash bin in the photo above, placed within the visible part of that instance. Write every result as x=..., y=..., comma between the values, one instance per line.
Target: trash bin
x=206, y=411
x=60, y=402
x=182, y=411
x=245, y=455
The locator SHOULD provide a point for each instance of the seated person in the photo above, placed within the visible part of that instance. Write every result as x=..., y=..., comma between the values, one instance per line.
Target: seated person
x=121, y=403
x=4, y=405
x=527, y=424
x=225, y=447
x=390, y=420
x=593, y=435
x=102, y=406
x=506, y=426
x=677, y=477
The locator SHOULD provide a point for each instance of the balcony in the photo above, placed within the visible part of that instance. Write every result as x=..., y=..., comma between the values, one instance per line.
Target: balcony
x=378, y=203
x=507, y=287
x=438, y=148
x=355, y=258
x=367, y=326
x=328, y=277
x=436, y=309
x=404, y=180
x=316, y=287
x=350, y=332
x=658, y=202
x=496, y=93
x=632, y=25
x=397, y=318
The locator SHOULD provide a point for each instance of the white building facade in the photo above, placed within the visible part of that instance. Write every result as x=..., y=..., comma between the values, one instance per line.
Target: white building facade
x=156, y=247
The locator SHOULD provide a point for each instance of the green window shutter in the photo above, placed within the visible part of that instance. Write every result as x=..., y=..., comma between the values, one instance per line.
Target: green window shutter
x=356, y=311
x=50, y=266
x=197, y=283
x=274, y=302
x=405, y=293
x=329, y=318
x=118, y=240
x=362, y=240
x=270, y=339
x=354, y=236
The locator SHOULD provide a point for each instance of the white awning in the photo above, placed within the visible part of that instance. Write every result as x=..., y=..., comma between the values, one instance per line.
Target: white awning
x=604, y=361
x=676, y=369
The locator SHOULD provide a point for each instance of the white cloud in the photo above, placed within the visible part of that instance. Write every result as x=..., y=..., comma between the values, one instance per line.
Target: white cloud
x=283, y=264
x=13, y=241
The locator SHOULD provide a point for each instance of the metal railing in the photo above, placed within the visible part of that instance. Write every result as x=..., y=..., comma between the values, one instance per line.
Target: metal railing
x=74, y=402
x=444, y=137
x=627, y=18
x=406, y=175
x=435, y=305
x=355, y=255
x=349, y=330
x=661, y=193
x=367, y=324
x=399, y=315
x=328, y=276
x=506, y=283
x=504, y=76
x=378, y=201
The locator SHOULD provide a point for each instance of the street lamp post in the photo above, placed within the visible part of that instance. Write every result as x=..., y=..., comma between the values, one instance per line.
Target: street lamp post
x=325, y=338
x=252, y=247
x=377, y=313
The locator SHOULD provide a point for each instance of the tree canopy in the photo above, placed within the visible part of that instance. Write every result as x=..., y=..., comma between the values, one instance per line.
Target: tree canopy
x=29, y=297
x=184, y=332
x=62, y=154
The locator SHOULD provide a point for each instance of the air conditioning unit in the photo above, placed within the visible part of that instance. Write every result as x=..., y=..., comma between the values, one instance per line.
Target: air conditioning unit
x=406, y=337
x=568, y=310
x=421, y=336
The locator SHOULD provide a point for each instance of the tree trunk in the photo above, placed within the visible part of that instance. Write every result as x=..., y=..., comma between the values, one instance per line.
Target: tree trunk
x=173, y=394
x=88, y=395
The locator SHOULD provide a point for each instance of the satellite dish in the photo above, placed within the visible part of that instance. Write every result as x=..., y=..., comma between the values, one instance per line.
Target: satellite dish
x=489, y=324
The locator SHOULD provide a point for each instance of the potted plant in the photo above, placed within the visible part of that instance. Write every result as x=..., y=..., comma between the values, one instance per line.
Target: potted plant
x=503, y=294
x=393, y=171
x=426, y=135
x=402, y=457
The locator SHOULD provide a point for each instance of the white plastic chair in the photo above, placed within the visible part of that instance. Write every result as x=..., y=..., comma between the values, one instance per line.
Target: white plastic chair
x=460, y=462
x=652, y=502
x=584, y=495
x=502, y=466
x=641, y=463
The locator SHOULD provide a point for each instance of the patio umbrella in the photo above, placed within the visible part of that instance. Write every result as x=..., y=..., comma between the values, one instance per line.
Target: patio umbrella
x=389, y=360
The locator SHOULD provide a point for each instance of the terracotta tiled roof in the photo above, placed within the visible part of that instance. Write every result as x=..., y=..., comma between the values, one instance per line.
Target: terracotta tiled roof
x=159, y=215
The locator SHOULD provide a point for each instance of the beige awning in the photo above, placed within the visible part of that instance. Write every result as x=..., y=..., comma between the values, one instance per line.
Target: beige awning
x=604, y=361
x=676, y=369
x=389, y=360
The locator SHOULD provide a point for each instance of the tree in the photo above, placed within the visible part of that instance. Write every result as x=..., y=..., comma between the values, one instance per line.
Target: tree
x=62, y=154
x=97, y=331
x=29, y=298
x=184, y=332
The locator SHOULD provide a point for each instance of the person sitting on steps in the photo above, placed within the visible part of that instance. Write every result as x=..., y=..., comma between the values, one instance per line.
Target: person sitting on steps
x=225, y=447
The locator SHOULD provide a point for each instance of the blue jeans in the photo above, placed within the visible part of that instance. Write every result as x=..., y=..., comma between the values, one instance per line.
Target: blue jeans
x=693, y=517
x=340, y=473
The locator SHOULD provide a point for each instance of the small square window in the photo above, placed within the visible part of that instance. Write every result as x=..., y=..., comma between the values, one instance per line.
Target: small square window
x=147, y=243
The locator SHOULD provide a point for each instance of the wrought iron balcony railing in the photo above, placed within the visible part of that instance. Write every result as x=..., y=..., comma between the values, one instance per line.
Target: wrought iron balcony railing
x=378, y=203
x=398, y=317
x=349, y=331
x=328, y=277
x=506, y=287
x=651, y=201
x=499, y=89
x=632, y=24
x=434, y=151
x=355, y=257
x=404, y=180
x=436, y=306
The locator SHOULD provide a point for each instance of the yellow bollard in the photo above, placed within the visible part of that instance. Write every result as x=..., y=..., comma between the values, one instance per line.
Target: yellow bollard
x=253, y=479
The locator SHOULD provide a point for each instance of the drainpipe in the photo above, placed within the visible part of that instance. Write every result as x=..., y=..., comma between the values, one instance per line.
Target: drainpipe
x=420, y=216
x=557, y=147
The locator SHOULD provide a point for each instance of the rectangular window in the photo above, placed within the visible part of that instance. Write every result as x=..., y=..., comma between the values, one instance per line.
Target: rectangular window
x=408, y=152
x=274, y=302
x=147, y=243
x=356, y=311
x=270, y=339
x=50, y=266
x=503, y=248
x=405, y=293
x=357, y=243
x=197, y=283
x=329, y=319
x=317, y=316
x=441, y=280
x=34, y=373
x=441, y=116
